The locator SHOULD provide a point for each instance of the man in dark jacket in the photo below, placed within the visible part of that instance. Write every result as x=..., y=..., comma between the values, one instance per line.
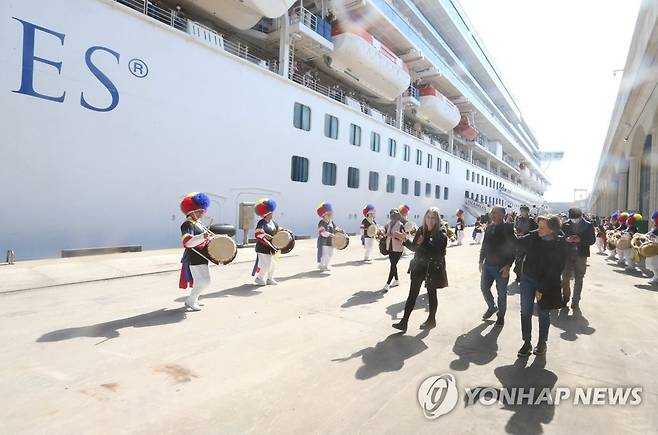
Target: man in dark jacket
x=522, y=226
x=496, y=258
x=580, y=236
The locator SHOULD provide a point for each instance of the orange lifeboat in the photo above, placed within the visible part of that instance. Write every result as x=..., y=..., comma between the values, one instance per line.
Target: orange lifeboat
x=466, y=129
x=435, y=109
x=367, y=63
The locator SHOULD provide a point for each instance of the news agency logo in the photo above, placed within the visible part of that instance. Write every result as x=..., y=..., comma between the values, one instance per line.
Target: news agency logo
x=438, y=395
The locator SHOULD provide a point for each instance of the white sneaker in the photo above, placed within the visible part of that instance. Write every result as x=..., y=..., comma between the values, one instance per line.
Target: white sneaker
x=272, y=281
x=386, y=287
x=395, y=283
x=259, y=281
x=192, y=306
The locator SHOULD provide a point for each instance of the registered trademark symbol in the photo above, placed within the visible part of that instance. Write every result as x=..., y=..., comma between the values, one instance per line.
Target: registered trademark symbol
x=138, y=68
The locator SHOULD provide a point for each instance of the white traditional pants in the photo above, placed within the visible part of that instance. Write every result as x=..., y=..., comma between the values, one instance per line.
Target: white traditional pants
x=460, y=237
x=266, y=264
x=478, y=238
x=201, y=277
x=627, y=255
x=652, y=264
x=369, y=242
x=327, y=253
x=621, y=259
x=600, y=245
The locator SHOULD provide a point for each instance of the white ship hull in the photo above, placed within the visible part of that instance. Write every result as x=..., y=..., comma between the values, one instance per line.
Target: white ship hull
x=96, y=155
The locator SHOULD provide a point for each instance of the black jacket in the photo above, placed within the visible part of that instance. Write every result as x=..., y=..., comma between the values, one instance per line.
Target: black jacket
x=544, y=262
x=586, y=233
x=499, y=245
x=429, y=259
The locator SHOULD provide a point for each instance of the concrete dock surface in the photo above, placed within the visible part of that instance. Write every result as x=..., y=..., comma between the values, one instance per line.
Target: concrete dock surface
x=102, y=345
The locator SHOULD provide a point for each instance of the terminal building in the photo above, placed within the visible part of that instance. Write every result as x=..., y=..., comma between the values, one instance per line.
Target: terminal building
x=627, y=174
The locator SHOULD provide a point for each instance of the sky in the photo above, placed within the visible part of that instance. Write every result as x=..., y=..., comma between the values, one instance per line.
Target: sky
x=557, y=58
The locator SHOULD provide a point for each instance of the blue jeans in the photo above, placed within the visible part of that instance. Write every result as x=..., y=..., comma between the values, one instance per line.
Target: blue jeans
x=489, y=275
x=528, y=287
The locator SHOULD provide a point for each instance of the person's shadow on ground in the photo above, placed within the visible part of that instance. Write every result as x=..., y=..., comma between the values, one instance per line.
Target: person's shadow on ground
x=243, y=290
x=363, y=297
x=476, y=348
x=388, y=355
x=528, y=419
x=572, y=326
x=111, y=329
x=397, y=308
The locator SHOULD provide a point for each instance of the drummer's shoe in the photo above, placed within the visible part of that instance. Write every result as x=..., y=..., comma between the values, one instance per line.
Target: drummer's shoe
x=428, y=324
x=395, y=283
x=272, y=281
x=401, y=325
x=386, y=288
x=260, y=281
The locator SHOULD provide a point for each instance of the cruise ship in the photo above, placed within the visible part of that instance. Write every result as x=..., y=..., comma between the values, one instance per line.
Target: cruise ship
x=113, y=110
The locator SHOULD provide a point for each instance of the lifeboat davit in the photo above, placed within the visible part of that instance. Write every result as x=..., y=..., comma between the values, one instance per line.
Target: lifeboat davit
x=367, y=63
x=244, y=14
x=466, y=129
x=436, y=109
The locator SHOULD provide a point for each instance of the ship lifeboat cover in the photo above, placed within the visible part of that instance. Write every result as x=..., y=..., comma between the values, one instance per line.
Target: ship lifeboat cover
x=269, y=8
x=368, y=63
x=437, y=109
x=244, y=14
x=466, y=129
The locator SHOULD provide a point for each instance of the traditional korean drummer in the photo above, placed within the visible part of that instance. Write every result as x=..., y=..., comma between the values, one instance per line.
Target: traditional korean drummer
x=368, y=220
x=326, y=230
x=194, y=271
x=266, y=228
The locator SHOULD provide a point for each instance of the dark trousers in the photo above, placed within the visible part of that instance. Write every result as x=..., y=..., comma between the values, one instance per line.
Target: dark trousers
x=528, y=287
x=393, y=257
x=489, y=275
x=518, y=264
x=414, y=289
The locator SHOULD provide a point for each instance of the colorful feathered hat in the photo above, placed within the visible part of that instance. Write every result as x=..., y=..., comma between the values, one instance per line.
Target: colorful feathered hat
x=194, y=201
x=633, y=218
x=459, y=212
x=324, y=208
x=265, y=206
x=369, y=208
x=654, y=217
x=622, y=217
x=404, y=209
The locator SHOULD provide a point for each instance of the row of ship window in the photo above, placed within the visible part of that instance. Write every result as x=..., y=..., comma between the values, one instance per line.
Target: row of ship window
x=299, y=172
x=484, y=181
x=485, y=199
x=302, y=121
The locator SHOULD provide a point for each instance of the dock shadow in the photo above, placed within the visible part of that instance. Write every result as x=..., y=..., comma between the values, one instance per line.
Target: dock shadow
x=474, y=347
x=648, y=287
x=109, y=330
x=308, y=274
x=528, y=419
x=363, y=297
x=397, y=308
x=350, y=263
x=636, y=273
x=571, y=325
x=387, y=355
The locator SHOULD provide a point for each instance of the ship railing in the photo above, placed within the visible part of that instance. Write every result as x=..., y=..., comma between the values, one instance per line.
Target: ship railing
x=311, y=81
x=411, y=91
x=174, y=18
x=302, y=15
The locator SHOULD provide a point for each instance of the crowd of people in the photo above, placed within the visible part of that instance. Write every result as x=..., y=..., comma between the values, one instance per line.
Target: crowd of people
x=545, y=252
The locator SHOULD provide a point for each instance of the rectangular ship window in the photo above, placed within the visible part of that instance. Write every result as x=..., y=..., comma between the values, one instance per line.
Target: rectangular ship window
x=419, y=157
x=373, y=181
x=428, y=190
x=447, y=167
x=390, y=183
x=299, y=169
x=405, y=186
x=437, y=192
x=353, y=178
x=468, y=174
x=375, y=142
x=392, y=147
x=355, y=135
x=445, y=192
x=430, y=161
x=416, y=188
x=331, y=126
x=328, y=174
x=302, y=117
x=438, y=164
x=406, y=154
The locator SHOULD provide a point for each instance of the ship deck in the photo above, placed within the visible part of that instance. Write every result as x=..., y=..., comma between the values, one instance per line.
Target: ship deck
x=102, y=345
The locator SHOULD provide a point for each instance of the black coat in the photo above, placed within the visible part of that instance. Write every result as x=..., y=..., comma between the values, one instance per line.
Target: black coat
x=586, y=233
x=429, y=258
x=544, y=262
